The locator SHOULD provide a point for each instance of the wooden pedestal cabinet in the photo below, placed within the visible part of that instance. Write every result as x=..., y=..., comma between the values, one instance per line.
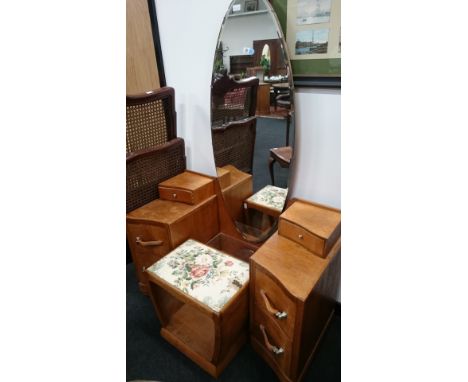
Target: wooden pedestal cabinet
x=187, y=209
x=292, y=299
x=160, y=226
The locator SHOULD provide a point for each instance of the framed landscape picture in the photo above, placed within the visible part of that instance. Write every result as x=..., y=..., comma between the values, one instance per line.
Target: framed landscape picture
x=313, y=35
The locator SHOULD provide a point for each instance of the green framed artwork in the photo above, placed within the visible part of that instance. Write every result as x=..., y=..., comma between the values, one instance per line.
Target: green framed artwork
x=313, y=35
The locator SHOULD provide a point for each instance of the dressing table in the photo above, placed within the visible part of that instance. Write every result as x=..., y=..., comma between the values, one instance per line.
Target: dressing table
x=280, y=292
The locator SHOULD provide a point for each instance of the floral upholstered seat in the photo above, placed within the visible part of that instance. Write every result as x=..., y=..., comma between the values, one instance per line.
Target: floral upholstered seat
x=204, y=273
x=271, y=197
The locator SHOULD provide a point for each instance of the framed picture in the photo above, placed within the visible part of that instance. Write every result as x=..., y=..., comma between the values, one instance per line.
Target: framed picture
x=313, y=35
x=250, y=5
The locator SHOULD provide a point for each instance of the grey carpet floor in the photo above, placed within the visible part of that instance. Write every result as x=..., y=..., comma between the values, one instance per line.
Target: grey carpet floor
x=150, y=357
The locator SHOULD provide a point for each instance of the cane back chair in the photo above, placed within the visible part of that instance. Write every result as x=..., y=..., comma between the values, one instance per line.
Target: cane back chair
x=233, y=121
x=154, y=153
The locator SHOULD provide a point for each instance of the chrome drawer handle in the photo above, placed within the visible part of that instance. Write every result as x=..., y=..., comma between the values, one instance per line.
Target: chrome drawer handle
x=148, y=243
x=174, y=196
x=277, y=351
x=279, y=315
x=274, y=349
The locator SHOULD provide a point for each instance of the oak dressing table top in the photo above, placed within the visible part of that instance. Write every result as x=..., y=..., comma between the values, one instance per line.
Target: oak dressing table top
x=163, y=211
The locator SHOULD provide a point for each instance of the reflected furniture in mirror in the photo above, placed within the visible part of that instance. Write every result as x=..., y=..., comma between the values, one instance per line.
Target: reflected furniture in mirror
x=233, y=121
x=245, y=144
x=282, y=155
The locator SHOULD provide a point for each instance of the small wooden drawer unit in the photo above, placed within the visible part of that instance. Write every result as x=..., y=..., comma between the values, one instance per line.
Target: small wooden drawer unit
x=156, y=228
x=292, y=299
x=315, y=227
x=188, y=187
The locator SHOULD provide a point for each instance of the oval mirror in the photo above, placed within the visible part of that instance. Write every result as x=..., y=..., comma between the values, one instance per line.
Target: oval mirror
x=252, y=122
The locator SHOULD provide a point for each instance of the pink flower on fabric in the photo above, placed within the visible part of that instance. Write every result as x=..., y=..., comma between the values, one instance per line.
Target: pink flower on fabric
x=228, y=263
x=199, y=270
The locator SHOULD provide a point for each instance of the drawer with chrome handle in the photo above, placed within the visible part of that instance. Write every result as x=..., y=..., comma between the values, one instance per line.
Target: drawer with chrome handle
x=275, y=312
x=274, y=349
x=270, y=340
x=272, y=299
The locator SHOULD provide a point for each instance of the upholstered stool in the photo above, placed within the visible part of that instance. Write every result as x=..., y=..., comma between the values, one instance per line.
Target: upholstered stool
x=269, y=200
x=201, y=298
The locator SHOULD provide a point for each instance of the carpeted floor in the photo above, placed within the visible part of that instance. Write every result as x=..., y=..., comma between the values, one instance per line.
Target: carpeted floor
x=270, y=133
x=149, y=357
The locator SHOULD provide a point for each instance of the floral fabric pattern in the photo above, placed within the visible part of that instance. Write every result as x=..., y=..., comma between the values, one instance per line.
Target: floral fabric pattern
x=270, y=196
x=204, y=273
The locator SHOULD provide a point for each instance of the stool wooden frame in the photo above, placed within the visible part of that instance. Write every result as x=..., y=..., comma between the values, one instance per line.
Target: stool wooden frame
x=210, y=339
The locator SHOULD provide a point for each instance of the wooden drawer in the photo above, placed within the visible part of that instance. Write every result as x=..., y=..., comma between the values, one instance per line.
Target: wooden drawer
x=177, y=195
x=188, y=187
x=274, y=301
x=273, y=343
x=303, y=237
x=148, y=243
x=315, y=227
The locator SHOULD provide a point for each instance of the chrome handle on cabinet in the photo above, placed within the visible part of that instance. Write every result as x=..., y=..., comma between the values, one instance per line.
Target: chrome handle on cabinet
x=274, y=349
x=174, y=196
x=279, y=315
x=148, y=243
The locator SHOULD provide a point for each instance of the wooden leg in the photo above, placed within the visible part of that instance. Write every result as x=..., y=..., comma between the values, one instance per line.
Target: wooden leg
x=271, y=162
x=288, y=124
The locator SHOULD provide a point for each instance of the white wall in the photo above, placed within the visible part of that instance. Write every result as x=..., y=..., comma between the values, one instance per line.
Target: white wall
x=317, y=163
x=189, y=33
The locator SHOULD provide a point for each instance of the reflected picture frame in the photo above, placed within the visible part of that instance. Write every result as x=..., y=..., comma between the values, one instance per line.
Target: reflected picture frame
x=312, y=66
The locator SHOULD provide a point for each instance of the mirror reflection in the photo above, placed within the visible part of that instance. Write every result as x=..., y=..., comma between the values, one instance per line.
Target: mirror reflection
x=252, y=120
